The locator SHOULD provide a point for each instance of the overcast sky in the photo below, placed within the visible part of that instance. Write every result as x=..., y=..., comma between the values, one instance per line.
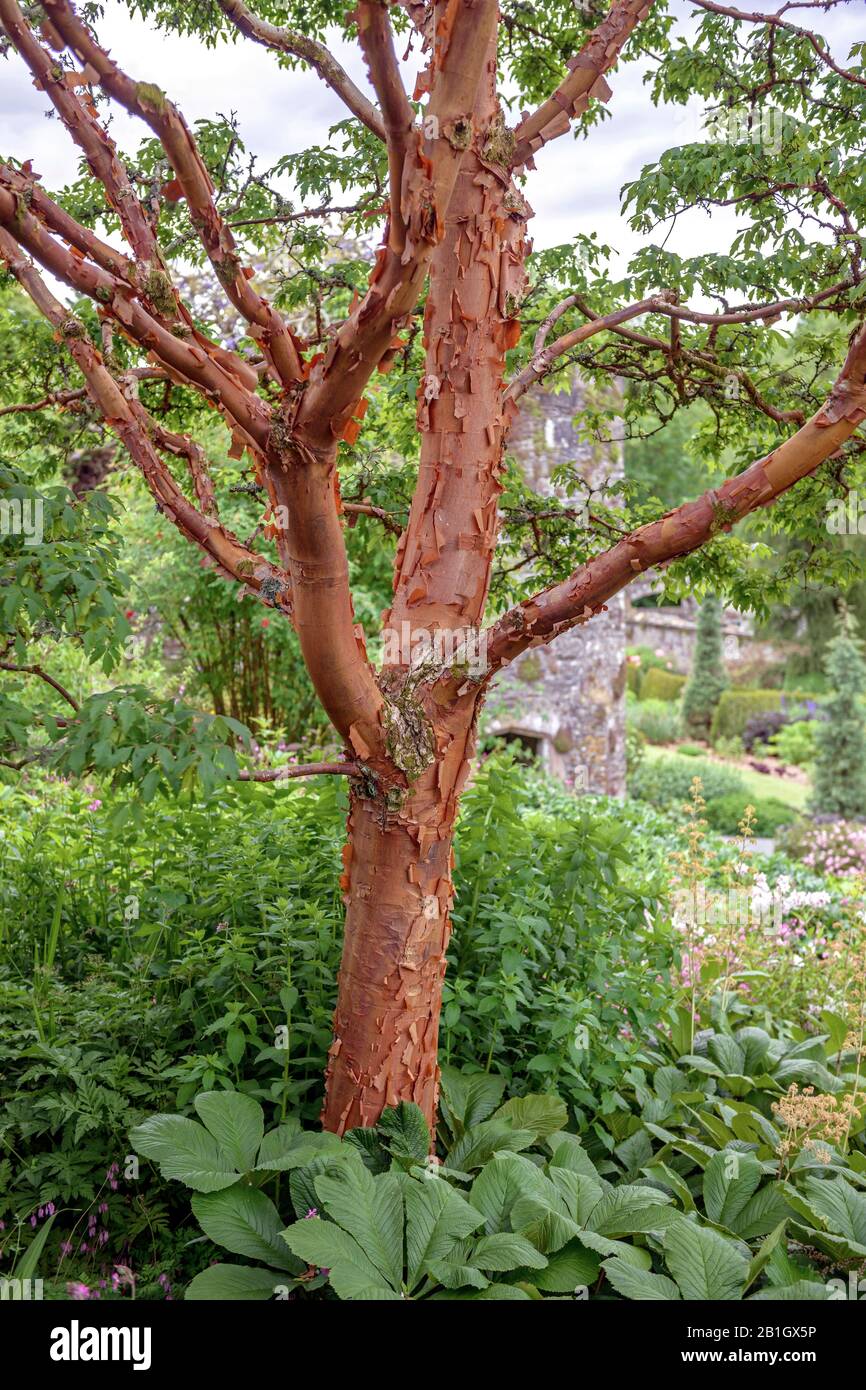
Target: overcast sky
x=576, y=187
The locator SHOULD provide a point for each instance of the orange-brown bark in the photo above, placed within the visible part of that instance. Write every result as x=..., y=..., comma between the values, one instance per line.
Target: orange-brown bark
x=456, y=228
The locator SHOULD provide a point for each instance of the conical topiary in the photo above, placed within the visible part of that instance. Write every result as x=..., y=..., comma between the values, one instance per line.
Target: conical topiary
x=708, y=678
x=839, y=779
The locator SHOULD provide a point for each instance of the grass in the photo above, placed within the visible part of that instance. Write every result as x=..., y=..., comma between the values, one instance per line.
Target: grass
x=759, y=784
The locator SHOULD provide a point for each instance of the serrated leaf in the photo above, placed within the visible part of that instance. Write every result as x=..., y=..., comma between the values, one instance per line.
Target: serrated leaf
x=237, y=1123
x=246, y=1222
x=184, y=1150
x=703, y=1263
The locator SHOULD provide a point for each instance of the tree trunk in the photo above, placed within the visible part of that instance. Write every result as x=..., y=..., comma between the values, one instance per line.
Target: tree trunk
x=397, y=889
x=398, y=871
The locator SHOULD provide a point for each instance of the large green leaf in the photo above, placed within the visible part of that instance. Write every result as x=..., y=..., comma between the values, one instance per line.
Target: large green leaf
x=469, y=1099
x=325, y=1244
x=479, y=1143
x=506, y=1250
x=704, y=1264
x=567, y=1270
x=841, y=1205
x=624, y=1210
x=371, y=1210
x=544, y=1115
x=802, y=1290
x=406, y=1131
x=501, y=1183
x=730, y=1178
x=246, y=1222
x=289, y=1147
x=437, y=1218
x=184, y=1150
x=225, y=1282
x=639, y=1283
x=237, y=1123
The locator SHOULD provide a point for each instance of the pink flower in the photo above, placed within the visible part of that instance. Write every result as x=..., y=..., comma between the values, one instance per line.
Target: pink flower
x=94, y=805
x=77, y=1290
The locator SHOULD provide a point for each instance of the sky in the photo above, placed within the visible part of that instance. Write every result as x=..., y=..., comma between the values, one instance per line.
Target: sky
x=576, y=187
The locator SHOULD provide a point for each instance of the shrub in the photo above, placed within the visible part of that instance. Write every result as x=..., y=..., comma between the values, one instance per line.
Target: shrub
x=657, y=720
x=667, y=781
x=737, y=707
x=640, y=661
x=708, y=678
x=839, y=785
x=834, y=847
x=724, y=813
x=659, y=684
x=691, y=750
x=635, y=749
x=795, y=743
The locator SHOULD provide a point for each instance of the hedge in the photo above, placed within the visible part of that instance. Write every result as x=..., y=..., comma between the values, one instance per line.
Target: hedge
x=724, y=813
x=667, y=781
x=737, y=707
x=659, y=684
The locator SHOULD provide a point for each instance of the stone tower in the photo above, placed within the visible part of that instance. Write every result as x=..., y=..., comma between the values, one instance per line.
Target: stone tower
x=566, y=702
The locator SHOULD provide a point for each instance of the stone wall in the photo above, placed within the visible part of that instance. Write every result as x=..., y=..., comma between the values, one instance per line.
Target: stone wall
x=567, y=700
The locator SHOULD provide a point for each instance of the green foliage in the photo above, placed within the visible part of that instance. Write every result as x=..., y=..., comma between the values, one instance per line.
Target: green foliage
x=659, y=684
x=657, y=720
x=725, y=813
x=666, y=781
x=703, y=1184
x=708, y=679
x=737, y=707
x=839, y=778
x=796, y=743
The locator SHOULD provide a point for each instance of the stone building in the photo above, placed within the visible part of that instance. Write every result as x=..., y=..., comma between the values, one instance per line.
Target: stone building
x=565, y=703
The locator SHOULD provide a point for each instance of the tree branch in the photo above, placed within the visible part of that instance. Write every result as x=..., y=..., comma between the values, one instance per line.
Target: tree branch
x=310, y=51
x=776, y=21
x=43, y=676
x=584, y=82
x=543, y=359
x=282, y=774
x=575, y=600
x=154, y=108
x=124, y=414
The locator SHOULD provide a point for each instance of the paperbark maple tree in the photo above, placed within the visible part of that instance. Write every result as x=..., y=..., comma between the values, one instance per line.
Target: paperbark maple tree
x=456, y=240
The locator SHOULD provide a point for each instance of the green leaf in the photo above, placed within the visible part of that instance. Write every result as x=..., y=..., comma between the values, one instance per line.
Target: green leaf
x=184, y=1150
x=730, y=1178
x=451, y=1274
x=501, y=1183
x=227, y=1282
x=543, y=1115
x=246, y=1222
x=478, y=1144
x=802, y=1290
x=704, y=1264
x=326, y=1245
x=639, y=1283
x=406, y=1131
x=469, y=1099
x=627, y=1209
x=505, y=1250
x=567, y=1269
x=371, y=1210
x=27, y=1264
x=841, y=1205
x=237, y=1123
x=437, y=1218
x=764, y=1254
x=289, y=1147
